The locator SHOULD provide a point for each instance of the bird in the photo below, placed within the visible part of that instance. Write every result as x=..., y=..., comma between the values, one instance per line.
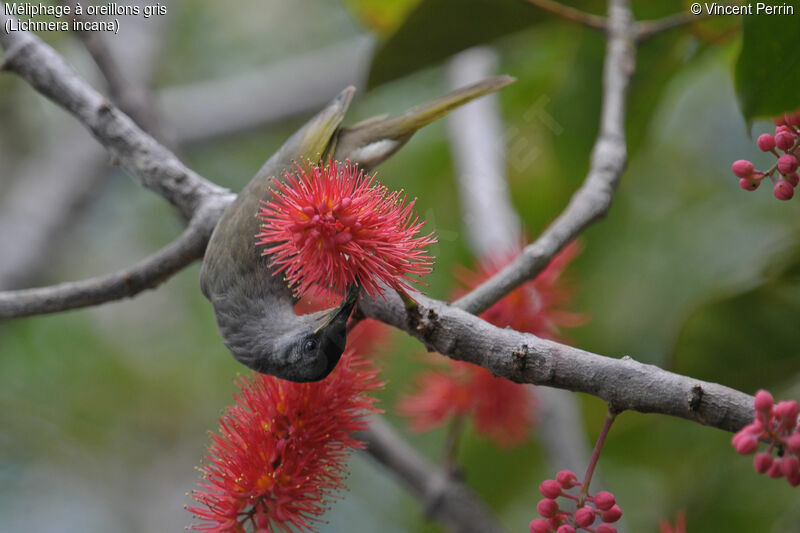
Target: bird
x=254, y=309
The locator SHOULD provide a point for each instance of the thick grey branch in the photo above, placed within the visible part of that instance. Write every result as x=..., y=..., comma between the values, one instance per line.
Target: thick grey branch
x=446, y=500
x=147, y=274
x=153, y=165
x=593, y=199
x=525, y=358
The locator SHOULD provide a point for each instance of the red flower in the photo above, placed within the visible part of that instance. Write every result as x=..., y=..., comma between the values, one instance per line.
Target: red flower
x=536, y=306
x=680, y=524
x=281, y=449
x=504, y=411
x=328, y=227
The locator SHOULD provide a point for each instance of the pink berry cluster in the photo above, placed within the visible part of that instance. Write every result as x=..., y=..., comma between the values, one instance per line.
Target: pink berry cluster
x=589, y=508
x=785, y=140
x=777, y=425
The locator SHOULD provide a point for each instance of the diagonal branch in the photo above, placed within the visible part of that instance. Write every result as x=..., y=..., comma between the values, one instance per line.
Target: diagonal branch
x=150, y=163
x=650, y=28
x=445, y=499
x=147, y=274
x=594, y=22
x=593, y=199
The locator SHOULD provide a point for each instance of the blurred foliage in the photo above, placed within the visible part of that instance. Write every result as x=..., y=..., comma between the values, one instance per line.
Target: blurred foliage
x=104, y=411
x=768, y=69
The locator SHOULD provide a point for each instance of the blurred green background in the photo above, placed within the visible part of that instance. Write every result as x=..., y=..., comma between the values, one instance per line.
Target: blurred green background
x=104, y=412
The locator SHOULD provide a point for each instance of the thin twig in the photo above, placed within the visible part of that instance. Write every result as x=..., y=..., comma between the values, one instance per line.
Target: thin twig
x=594, y=22
x=445, y=499
x=646, y=29
x=593, y=199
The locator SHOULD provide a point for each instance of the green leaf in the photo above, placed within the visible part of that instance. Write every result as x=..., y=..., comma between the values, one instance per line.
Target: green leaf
x=768, y=69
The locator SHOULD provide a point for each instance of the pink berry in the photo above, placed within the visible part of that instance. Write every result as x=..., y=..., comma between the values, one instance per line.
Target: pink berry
x=566, y=528
x=613, y=514
x=762, y=461
x=550, y=488
x=540, y=526
x=764, y=401
x=749, y=184
x=789, y=465
x=784, y=140
x=745, y=444
x=793, y=443
x=766, y=142
x=783, y=190
x=742, y=168
x=792, y=118
x=792, y=178
x=787, y=411
x=547, y=508
x=775, y=470
x=567, y=479
x=606, y=528
x=794, y=479
x=787, y=163
x=779, y=121
x=584, y=516
x=604, y=500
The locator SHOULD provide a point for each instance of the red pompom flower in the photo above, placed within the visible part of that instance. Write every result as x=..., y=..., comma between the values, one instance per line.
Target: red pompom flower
x=328, y=227
x=502, y=410
x=281, y=450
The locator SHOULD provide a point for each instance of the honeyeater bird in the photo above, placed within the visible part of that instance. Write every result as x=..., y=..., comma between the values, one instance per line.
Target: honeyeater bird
x=254, y=308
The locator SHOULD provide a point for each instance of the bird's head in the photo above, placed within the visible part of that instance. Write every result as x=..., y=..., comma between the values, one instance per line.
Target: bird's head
x=305, y=349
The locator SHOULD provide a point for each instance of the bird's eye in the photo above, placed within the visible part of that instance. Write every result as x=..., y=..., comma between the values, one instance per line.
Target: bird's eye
x=310, y=345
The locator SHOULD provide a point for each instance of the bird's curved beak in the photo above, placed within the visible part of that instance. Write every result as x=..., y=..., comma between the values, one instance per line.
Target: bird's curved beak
x=342, y=313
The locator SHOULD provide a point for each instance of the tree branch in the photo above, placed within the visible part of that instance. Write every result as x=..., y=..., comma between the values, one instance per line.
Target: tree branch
x=147, y=274
x=150, y=163
x=445, y=500
x=646, y=29
x=594, y=22
x=593, y=199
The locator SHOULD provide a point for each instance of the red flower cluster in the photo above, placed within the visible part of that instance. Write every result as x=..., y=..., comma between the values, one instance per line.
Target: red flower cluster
x=786, y=140
x=281, y=450
x=502, y=410
x=328, y=227
x=589, y=508
x=776, y=424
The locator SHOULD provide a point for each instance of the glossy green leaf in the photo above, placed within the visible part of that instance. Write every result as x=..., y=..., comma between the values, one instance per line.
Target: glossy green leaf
x=768, y=69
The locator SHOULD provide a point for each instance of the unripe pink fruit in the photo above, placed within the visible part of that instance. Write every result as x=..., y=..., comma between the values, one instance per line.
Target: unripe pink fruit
x=744, y=443
x=789, y=465
x=584, y=516
x=794, y=479
x=787, y=411
x=567, y=479
x=764, y=401
x=787, y=163
x=793, y=443
x=566, y=528
x=606, y=528
x=540, y=526
x=762, y=461
x=783, y=190
x=612, y=515
x=550, y=488
x=604, y=500
x=784, y=140
x=749, y=184
x=547, y=508
x=775, y=470
x=742, y=168
x=792, y=118
x=792, y=178
x=766, y=142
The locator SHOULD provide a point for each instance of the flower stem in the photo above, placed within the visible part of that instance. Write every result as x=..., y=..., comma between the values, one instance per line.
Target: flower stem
x=601, y=439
